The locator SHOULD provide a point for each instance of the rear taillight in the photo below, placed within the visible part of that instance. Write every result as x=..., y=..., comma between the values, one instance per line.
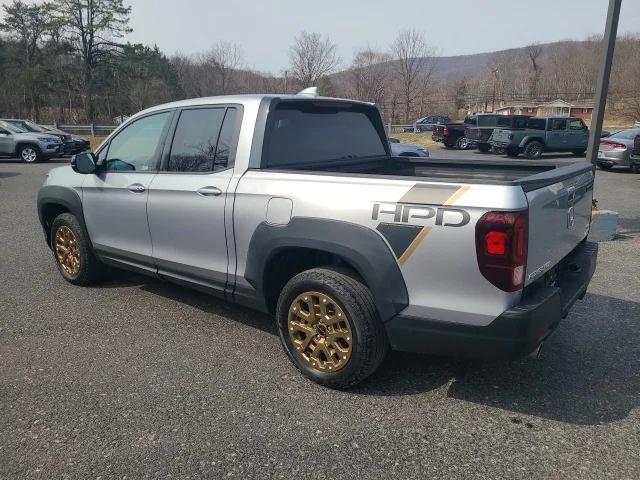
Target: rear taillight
x=445, y=132
x=501, y=248
x=609, y=145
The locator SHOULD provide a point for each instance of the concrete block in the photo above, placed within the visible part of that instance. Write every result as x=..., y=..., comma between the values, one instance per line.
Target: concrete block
x=604, y=224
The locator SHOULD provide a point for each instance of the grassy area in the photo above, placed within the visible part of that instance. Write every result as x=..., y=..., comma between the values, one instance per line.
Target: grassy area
x=423, y=139
x=95, y=142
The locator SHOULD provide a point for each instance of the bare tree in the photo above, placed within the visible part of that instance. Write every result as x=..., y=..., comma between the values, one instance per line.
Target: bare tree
x=534, y=51
x=417, y=64
x=369, y=75
x=226, y=58
x=92, y=28
x=312, y=57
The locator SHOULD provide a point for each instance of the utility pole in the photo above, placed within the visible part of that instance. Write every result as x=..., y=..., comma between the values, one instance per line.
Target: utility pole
x=610, y=32
x=493, y=99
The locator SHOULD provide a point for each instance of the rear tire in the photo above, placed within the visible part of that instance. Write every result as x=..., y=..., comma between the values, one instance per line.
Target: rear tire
x=29, y=154
x=73, y=252
x=318, y=354
x=578, y=153
x=462, y=144
x=533, y=150
x=605, y=167
x=635, y=168
x=484, y=148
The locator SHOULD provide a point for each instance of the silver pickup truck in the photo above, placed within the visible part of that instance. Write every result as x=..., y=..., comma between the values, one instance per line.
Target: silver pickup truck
x=294, y=206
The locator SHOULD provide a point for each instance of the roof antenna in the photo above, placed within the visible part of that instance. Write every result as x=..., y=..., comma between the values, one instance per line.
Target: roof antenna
x=309, y=92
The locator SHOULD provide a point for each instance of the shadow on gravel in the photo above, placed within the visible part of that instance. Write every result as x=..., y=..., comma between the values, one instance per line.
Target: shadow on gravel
x=9, y=174
x=587, y=374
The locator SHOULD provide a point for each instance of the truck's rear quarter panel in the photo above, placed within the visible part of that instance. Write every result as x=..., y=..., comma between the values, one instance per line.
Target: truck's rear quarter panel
x=431, y=227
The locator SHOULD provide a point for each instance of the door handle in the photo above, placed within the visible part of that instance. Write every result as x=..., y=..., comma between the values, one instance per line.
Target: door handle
x=209, y=191
x=136, y=188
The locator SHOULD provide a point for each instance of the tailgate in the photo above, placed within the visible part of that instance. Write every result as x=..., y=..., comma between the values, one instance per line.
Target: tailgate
x=559, y=219
x=502, y=136
x=438, y=130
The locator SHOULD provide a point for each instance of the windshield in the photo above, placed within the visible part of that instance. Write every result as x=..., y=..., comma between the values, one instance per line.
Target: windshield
x=626, y=134
x=26, y=126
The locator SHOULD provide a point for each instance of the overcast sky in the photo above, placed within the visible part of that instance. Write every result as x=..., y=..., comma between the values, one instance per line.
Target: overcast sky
x=265, y=28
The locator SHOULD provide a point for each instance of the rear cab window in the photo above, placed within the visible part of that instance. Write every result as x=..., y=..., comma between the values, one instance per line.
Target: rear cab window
x=303, y=134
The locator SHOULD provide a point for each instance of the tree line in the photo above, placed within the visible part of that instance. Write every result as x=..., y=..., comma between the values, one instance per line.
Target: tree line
x=67, y=61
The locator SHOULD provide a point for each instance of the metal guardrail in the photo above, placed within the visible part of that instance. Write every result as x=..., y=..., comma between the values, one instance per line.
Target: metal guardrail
x=91, y=129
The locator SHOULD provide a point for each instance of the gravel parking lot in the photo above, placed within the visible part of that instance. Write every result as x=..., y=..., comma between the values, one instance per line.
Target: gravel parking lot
x=140, y=379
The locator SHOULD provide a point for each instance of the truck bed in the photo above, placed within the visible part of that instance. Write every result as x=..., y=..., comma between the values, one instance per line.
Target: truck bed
x=530, y=175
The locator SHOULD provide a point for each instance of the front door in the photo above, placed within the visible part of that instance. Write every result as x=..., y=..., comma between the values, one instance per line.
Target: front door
x=578, y=134
x=557, y=136
x=114, y=199
x=7, y=143
x=187, y=198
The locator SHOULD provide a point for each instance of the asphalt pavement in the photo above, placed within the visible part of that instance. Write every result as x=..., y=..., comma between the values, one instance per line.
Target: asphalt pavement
x=140, y=379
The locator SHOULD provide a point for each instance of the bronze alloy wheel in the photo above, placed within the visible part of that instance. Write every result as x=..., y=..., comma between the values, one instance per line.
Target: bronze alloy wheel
x=67, y=250
x=320, y=332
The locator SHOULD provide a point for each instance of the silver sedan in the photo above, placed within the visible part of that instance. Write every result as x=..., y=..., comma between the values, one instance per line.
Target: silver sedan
x=616, y=149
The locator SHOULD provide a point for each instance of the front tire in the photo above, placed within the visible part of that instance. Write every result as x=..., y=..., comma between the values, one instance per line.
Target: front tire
x=29, y=154
x=73, y=252
x=533, y=150
x=330, y=328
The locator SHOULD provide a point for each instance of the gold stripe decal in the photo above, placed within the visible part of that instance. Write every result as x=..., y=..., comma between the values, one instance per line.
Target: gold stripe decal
x=425, y=231
x=456, y=196
x=412, y=247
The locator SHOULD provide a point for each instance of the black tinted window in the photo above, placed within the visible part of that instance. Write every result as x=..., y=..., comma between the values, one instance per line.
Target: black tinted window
x=194, y=143
x=488, y=120
x=520, y=122
x=311, y=132
x=536, y=123
x=504, y=121
x=226, y=142
x=558, y=124
x=134, y=148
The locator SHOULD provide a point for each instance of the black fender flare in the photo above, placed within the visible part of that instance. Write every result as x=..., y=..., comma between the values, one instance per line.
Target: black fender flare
x=530, y=138
x=66, y=197
x=361, y=247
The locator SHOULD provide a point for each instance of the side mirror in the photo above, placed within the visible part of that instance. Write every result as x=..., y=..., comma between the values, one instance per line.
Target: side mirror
x=84, y=163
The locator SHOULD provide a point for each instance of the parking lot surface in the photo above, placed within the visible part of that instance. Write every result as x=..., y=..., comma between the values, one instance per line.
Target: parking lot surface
x=138, y=379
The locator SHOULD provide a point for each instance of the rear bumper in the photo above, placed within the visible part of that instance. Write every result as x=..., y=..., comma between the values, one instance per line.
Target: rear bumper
x=611, y=159
x=517, y=332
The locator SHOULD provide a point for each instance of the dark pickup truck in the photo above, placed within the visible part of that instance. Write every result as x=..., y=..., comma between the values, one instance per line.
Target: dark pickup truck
x=540, y=134
x=451, y=135
x=480, y=127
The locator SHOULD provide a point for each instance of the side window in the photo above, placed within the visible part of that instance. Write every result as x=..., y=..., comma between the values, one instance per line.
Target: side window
x=577, y=124
x=134, y=148
x=559, y=124
x=226, y=143
x=203, y=140
x=521, y=122
x=536, y=123
x=194, y=143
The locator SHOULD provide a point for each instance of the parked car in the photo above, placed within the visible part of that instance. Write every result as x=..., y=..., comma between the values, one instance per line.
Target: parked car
x=72, y=143
x=406, y=149
x=451, y=135
x=543, y=134
x=425, y=124
x=616, y=149
x=635, y=155
x=353, y=250
x=28, y=146
x=480, y=127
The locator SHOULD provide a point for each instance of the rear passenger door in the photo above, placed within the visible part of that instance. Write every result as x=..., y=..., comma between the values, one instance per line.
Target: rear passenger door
x=186, y=207
x=557, y=136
